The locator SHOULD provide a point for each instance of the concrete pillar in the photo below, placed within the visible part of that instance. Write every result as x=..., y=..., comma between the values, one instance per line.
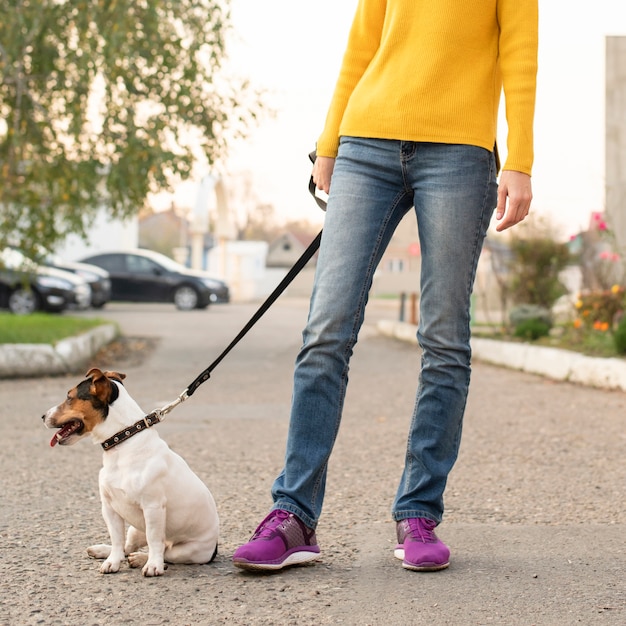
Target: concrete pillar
x=615, y=151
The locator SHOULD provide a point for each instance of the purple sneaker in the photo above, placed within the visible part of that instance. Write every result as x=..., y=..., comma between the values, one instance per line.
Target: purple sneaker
x=418, y=546
x=280, y=540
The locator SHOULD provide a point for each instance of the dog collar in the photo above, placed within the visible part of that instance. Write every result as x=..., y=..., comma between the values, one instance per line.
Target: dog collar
x=139, y=426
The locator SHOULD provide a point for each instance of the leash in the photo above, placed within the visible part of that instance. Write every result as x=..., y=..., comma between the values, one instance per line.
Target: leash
x=159, y=414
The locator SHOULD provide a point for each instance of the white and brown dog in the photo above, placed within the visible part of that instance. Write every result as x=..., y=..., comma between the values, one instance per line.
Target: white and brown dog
x=142, y=482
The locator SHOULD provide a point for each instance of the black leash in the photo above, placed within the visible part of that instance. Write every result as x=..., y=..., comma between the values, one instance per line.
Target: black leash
x=284, y=283
x=293, y=272
x=157, y=415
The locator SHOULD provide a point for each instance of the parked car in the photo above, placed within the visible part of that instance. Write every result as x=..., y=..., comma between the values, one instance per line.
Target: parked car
x=26, y=286
x=147, y=276
x=96, y=277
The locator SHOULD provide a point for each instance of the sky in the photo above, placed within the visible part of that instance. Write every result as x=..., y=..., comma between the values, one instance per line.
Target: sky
x=293, y=50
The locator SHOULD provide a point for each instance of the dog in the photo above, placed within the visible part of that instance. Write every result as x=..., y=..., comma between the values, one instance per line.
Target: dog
x=143, y=483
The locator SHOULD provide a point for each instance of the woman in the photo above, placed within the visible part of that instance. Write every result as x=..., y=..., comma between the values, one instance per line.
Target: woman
x=412, y=123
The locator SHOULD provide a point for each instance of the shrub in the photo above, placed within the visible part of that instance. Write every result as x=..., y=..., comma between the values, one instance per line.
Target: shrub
x=532, y=329
x=530, y=321
x=619, y=336
x=537, y=263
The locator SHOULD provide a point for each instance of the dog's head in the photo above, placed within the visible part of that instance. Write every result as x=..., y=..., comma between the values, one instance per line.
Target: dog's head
x=85, y=406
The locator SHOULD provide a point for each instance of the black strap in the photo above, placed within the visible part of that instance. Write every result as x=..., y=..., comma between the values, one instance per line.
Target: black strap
x=293, y=272
x=312, y=188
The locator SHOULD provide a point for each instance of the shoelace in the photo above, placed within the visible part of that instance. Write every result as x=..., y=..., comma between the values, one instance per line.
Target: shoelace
x=421, y=530
x=270, y=524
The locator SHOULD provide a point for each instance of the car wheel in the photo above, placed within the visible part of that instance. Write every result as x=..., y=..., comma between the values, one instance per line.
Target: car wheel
x=186, y=298
x=23, y=302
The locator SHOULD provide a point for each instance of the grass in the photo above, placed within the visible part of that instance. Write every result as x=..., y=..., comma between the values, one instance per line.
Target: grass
x=564, y=337
x=43, y=327
x=591, y=343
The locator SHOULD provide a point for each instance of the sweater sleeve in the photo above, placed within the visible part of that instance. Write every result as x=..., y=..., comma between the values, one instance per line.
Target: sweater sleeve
x=363, y=42
x=518, y=43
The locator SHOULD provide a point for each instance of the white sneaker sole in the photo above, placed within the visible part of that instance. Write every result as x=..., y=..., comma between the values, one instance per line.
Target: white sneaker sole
x=297, y=558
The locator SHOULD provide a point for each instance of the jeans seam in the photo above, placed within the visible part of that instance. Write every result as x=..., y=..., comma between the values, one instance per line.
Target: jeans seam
x=477, y=235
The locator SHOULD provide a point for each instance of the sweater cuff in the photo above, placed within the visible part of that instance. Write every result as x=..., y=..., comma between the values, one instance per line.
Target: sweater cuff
x=327, y=147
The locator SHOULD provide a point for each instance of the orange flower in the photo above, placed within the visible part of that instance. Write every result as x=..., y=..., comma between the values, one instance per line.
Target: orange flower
x=578, y=323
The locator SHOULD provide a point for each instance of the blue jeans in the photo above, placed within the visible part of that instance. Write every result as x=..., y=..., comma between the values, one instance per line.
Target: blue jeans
x=375, y=183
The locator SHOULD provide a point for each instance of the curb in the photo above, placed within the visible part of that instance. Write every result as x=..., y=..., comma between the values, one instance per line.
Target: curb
x=69, y=355
x=65, y=357
x=553, y=363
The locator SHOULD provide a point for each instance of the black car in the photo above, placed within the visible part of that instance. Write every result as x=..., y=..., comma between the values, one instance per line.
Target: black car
x=26, y=286
x=146, y=276
x=96, y=277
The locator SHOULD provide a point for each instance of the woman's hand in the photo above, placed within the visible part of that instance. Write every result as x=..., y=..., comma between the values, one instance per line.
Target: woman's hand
x=323, y=172
x=514, y=197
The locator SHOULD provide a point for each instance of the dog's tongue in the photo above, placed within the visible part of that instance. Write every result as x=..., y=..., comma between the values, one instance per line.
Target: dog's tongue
x=64, y=432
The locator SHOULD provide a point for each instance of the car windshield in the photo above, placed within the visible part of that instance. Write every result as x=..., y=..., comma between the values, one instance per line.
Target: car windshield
x=165, y=261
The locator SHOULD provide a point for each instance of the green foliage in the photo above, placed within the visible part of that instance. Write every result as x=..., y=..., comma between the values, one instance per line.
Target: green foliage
x=530, y=321
x=532, y=329
x=537, y=262
x=619, y=336
x=105, y=101
x=42, y=327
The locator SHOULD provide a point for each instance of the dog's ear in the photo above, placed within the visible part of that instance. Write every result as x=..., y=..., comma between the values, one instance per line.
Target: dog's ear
x=94, y=372
x=115, y=376
x=101, y=386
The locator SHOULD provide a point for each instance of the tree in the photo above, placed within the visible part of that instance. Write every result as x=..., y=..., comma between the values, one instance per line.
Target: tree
x=105, y=101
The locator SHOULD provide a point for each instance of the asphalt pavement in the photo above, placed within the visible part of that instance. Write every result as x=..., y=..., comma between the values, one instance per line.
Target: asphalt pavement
x=535, y=507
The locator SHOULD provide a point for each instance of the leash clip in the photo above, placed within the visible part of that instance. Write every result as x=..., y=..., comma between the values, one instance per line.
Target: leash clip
x=163, y=411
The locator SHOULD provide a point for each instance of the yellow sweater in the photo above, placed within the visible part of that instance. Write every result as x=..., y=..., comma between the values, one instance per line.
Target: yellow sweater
x=433, y=70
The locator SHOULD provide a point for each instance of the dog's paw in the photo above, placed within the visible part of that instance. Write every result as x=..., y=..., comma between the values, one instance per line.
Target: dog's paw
x=137, y=559
x=153, y=569
x=99, y=551
x=110, y=567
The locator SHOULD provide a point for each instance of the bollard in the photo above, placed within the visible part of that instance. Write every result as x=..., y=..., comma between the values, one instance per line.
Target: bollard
x=402, y=303
x=414, y=309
